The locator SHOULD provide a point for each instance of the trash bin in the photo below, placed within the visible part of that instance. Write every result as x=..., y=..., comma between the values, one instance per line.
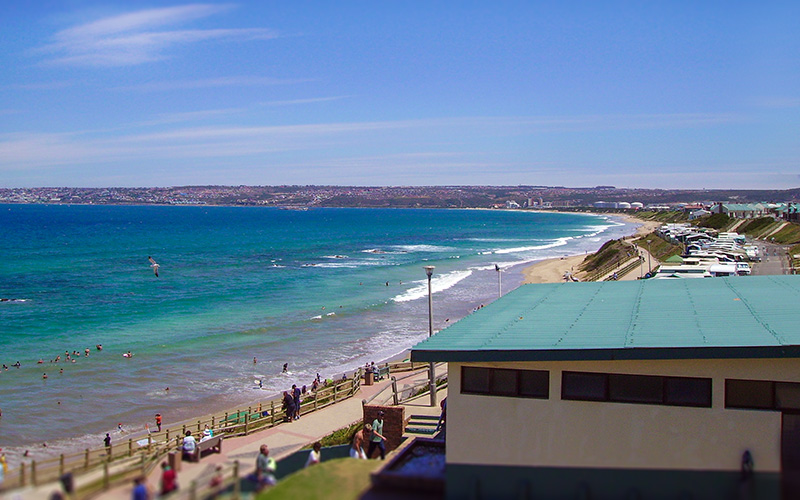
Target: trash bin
x=174, y=461
x=368, y=378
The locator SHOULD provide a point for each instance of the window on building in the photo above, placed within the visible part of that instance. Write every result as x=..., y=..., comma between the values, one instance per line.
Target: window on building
x=753, y=394
x=762, y=395
x=643, y=389
x=584, y=386
x=505, y=382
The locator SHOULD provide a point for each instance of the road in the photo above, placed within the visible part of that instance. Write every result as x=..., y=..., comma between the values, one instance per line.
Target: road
x=773, y=259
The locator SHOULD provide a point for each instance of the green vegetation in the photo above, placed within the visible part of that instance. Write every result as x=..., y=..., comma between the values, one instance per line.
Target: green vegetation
x=788, y=235
x=667, y=216
x=609, y=253
x=340, y=479
x=715, y=221
x=755, y=227
x=340, y=436
x=659, y=248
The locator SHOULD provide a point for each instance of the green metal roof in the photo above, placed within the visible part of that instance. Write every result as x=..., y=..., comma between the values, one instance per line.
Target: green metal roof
x=747, y=316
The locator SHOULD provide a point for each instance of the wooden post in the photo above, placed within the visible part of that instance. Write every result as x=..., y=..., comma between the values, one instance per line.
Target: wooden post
x=61, y=465
x=316, y=398
x=167, y=440
x=183, y=433
x=86, y=459
x=144, y=469
x=105, y=475
x=394, y=392
x=22, y=473
x=149, y=444
x=193, y=490
x=130, y=447
x=272, y=412
x=237, y=486
x=212, y=421
x=246, y=423
x=33, y=473
x=198, y=426
x=335, y=385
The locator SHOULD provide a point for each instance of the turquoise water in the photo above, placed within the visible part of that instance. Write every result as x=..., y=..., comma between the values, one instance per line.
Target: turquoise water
x=308, y=288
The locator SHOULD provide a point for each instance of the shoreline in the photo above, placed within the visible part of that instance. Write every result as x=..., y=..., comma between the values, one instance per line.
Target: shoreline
x=553, y=270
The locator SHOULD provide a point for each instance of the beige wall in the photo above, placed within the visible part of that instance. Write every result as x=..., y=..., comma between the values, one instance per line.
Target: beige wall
x=536, y=432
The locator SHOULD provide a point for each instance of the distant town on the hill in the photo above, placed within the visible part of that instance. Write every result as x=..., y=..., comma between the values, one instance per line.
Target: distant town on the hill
x=394, y=196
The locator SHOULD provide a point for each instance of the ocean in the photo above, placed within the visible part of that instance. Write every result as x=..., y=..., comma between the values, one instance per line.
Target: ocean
x=324, y=290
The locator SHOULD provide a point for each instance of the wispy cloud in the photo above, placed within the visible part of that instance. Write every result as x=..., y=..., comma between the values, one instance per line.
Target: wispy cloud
x=138, y=37
x=311, y=100
x=418, y=140
x=225, y=81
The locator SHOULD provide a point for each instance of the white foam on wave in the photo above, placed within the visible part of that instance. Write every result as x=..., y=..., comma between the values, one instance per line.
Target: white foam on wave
x=557, y=243
x=438, y=284
x=421, y=248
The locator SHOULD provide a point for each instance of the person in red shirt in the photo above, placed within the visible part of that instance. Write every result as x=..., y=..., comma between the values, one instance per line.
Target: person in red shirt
x=169, y=480
x=158, y=421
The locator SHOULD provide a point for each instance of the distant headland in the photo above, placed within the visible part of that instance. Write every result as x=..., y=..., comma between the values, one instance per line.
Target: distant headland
x=294, y=197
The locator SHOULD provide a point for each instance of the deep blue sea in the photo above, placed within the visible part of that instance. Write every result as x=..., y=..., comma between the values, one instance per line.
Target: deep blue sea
x=324, y=290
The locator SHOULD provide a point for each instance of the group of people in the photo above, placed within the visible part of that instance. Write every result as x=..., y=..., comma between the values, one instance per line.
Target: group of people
x=291, y=402
x=69, y=357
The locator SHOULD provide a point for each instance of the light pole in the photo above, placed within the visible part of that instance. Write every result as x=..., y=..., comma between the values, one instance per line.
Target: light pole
x=431, y=368
x=499, y=281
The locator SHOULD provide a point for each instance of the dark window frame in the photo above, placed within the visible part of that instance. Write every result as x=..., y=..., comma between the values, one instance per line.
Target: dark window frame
x=773, y=388
x=517, y=393
x=665, y=400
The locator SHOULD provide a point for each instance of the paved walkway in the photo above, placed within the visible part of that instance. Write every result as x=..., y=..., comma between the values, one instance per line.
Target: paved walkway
x=283, y=440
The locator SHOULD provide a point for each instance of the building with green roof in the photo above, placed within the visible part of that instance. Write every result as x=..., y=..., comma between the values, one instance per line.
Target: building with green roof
x=637, y=389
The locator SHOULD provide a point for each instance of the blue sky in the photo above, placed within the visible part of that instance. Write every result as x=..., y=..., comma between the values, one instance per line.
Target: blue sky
x=631, y=94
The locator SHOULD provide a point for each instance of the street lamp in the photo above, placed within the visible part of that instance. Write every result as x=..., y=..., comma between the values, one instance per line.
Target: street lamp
x=431, y=368
x=499, y=281
x=429, y=272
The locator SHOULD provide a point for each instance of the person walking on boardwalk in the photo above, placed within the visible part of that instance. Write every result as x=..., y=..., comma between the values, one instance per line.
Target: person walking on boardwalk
x=359, y=441
x=265, y=468
x=169, y=480
x=377, y=439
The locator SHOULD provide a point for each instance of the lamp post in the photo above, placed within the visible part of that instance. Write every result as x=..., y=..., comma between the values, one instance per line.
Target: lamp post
x=432, y=367
x=499, y=281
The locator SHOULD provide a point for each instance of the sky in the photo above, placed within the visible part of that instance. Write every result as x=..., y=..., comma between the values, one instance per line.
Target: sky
x=673, y=95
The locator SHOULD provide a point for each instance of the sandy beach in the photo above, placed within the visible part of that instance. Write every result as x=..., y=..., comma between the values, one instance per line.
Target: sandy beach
x=553, y=270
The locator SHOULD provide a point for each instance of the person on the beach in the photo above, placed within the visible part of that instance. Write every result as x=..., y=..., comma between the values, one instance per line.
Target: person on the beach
x=359, y=440
x=107, y=441
x=255, y=360
x=288, y=406
x=296, y=397
x=189, y=446
x=314, y=455
x=265, y=468
x=377, y=439
x=285, y=367
x=158, y=421
x=169, y=480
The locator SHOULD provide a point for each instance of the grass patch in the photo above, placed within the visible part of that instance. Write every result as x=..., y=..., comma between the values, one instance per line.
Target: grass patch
x=339, y=436
x=658, y=247
x=788, y=235
x=607, y=254
x=715, y=221
x=754, y=227
x=340, y=479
